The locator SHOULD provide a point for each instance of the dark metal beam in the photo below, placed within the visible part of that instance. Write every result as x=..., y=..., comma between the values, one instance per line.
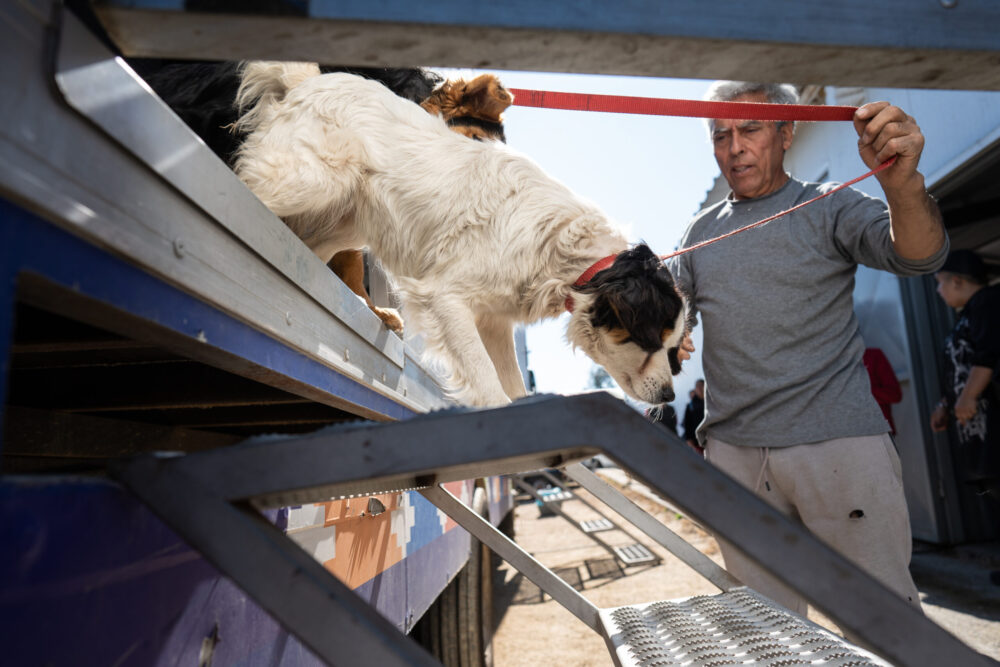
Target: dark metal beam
x=892, y=43
x=460, y=444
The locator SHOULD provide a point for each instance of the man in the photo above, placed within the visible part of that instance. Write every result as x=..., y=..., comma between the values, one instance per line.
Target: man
x=693, y=415
x=788, y=412
x=972, y=351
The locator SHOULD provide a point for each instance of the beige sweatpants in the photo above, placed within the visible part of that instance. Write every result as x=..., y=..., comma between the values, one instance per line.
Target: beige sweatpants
x=847, y=491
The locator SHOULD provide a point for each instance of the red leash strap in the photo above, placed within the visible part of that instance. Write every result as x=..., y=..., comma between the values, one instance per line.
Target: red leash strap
x=885, y=165
x=657, y=106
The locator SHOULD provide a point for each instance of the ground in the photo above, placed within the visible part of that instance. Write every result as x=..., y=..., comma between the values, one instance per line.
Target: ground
x=955, y=588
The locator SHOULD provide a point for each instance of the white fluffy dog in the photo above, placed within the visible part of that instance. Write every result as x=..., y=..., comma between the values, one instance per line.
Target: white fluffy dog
x=476, y=237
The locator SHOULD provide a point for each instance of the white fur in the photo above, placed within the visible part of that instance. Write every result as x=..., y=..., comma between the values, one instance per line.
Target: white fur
x=475, y=235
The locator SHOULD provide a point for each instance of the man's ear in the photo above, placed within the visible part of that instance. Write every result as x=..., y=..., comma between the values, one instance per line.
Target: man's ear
x=787, y=135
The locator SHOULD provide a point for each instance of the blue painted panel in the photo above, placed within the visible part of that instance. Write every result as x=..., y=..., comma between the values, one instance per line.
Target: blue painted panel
x=90, y=576
x=35, y=246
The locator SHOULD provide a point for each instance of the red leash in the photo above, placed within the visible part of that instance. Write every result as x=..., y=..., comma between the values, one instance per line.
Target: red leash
x=885, y=165
x=656, y=106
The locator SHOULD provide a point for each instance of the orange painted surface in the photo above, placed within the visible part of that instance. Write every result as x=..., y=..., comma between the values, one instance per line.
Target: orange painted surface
x=365, y=544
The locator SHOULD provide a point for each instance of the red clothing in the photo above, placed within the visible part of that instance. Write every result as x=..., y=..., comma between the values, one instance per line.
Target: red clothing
x=885, y=386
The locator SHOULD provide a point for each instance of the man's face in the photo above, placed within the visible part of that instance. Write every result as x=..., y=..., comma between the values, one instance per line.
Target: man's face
x=751, y=153
x=699, y=389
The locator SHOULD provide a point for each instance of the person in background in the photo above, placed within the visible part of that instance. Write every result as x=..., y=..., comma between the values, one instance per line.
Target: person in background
x=664, y=415
x=693, y=414
x=885, y=385
x=787, y=396
x=971, y=355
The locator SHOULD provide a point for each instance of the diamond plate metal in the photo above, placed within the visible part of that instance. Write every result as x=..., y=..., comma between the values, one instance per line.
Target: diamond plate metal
x=734, y=628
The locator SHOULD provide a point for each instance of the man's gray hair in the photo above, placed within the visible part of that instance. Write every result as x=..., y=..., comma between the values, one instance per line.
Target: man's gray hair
x=774, y=93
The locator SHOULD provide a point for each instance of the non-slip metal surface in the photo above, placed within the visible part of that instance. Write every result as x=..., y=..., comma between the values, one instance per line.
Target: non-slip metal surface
x=596, y=525
x=633, y=554
x=734, y=628
x=556, y=496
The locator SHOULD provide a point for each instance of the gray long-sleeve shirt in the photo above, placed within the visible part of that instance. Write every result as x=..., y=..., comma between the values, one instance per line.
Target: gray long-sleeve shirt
x=782, y=352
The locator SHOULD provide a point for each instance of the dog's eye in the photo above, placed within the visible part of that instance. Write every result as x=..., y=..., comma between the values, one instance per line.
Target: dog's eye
x=626, y=339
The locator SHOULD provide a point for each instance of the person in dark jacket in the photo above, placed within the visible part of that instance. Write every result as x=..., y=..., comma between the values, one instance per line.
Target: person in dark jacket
x=664, y=415
x=971, y=355
x=693, y=415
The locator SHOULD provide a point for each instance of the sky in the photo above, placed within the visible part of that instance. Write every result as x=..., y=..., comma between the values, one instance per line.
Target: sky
x=648, y=173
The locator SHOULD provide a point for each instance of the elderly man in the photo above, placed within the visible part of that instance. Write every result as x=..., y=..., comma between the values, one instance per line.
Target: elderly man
x=788, y=409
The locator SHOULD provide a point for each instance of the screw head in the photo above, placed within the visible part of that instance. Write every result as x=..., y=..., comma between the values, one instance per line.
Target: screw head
x=179, y=248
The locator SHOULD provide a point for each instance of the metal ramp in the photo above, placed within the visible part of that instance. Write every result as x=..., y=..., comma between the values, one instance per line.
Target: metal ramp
x=212, y=499
x=627, y=554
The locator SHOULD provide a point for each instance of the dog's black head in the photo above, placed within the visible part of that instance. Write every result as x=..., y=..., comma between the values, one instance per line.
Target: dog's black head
x=412, y=83
x=633, y=323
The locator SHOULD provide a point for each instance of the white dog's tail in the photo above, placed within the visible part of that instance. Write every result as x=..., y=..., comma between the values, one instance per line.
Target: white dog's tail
x=264, y=84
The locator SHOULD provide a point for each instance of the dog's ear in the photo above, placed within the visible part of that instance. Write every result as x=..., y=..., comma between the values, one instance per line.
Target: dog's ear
x=635, y=294
x=483, y=98
x=486, y=98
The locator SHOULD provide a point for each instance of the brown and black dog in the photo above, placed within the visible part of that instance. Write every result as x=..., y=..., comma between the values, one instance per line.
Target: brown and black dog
x=203, y=94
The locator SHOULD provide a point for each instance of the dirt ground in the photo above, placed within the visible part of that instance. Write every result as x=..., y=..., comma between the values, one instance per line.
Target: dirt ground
x=535, y=630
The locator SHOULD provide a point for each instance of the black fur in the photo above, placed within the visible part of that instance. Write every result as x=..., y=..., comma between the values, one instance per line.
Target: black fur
x=203, y=93
x=495, y=130
x=637, y=294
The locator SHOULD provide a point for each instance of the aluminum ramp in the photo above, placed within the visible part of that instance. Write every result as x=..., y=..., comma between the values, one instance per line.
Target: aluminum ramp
x=211, y=499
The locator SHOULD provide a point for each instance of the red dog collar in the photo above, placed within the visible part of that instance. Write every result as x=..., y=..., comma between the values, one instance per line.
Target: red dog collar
x=585, y=277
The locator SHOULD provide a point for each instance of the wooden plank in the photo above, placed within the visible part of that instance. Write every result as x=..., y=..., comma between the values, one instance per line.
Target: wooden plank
x=44, y=433
x=893, y=43
x=165, y=386
x=272, y=417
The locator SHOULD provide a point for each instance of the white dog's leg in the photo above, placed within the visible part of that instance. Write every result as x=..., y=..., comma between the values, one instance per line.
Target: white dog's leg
x=498, y=338
x=449, y=328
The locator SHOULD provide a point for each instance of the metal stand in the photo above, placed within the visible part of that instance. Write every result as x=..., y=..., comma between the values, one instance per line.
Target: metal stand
x=209, y=498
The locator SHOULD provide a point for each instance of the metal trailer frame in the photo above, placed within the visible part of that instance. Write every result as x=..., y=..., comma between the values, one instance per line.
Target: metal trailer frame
x=151, y=237
x=894, y=43
x=540, y=432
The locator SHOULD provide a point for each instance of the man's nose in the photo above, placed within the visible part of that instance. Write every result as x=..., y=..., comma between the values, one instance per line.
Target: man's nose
x=735, y=144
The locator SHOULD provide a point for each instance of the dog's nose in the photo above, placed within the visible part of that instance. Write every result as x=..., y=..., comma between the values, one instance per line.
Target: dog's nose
x=666, y=394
